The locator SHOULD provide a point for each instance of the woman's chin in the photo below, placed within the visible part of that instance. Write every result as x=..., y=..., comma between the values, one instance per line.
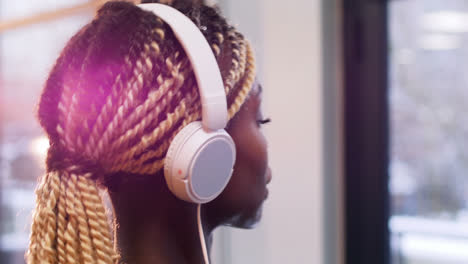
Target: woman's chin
x=248, y=220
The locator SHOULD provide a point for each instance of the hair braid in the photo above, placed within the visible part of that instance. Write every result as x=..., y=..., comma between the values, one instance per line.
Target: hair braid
x=156, y=102
x=126, y=77
x=149, y=155
x=44, y=220
x=122, y=161
x=158, y=164
x=150, y=119
x=72, y=247
x=61, y=223
x=245, y=86
x=97, y=220
x=128, y=103
x=147, y=113
x=68, y=100
x=87, y=247
x=36, y=230
x=48, y=241
x=110, y=109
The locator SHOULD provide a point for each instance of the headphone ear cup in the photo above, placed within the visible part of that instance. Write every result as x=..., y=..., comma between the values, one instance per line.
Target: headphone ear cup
x=199, y=164
x=174, y=148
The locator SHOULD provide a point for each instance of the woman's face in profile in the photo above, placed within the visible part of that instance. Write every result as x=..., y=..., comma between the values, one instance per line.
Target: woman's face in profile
x=241, y=201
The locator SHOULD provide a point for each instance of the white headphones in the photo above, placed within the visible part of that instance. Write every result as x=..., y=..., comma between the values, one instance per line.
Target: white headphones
x=201, y=157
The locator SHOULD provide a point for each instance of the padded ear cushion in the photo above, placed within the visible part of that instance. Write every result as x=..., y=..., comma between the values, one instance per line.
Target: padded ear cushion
x=199, y=164
x=177, y=143
x=175, y=147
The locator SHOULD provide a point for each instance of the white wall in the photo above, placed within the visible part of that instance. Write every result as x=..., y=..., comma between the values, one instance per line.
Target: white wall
x=288, y=39
x=292, y=70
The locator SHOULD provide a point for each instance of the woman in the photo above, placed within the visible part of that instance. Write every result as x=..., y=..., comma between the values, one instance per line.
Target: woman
x=119, y=92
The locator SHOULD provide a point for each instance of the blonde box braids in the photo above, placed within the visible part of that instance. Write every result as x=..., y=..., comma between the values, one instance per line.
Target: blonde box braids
x=119, y=92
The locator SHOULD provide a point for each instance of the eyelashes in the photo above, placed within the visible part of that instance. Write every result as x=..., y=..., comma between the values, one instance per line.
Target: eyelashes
x=264, y=121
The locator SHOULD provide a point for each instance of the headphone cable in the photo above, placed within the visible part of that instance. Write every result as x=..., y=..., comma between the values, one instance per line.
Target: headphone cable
x=202, y=235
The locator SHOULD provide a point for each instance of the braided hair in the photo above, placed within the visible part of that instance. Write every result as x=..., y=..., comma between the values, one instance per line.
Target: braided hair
x=118, y=94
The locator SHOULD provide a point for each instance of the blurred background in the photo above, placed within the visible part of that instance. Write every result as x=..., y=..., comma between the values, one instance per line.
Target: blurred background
x=368, y=144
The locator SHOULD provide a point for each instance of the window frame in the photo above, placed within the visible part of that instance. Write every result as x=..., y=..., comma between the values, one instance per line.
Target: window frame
x=366, y=131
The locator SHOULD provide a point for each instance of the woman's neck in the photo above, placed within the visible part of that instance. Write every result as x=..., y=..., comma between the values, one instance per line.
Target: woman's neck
x=152, y=226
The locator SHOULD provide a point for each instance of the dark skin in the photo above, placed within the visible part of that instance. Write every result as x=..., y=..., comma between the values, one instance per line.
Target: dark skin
x=153, y=226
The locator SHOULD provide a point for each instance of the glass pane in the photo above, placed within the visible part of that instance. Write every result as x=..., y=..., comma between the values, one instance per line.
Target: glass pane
x=26, y=56
x=429, y=131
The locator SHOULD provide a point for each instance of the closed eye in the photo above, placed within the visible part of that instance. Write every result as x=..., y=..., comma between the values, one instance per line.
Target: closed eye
x=264, y=121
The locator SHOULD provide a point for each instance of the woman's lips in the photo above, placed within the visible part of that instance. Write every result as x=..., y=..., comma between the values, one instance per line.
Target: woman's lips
x=269, y=176
x=268, y=180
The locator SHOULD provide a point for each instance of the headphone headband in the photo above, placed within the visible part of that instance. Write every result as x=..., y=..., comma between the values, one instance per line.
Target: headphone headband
x=203, y=61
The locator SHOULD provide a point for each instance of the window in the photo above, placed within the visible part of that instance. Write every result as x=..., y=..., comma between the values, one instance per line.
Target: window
x=428, y=66
x=406, y=131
